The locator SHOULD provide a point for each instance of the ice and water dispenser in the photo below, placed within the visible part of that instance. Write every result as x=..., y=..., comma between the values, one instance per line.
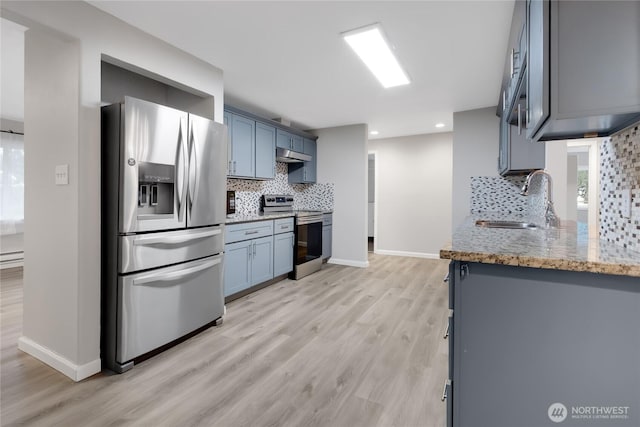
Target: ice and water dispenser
x=156, y=183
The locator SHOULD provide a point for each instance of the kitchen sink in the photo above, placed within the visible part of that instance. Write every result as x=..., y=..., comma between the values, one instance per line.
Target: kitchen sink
x=506, y=224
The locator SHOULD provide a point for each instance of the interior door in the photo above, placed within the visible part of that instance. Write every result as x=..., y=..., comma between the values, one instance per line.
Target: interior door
x=206, y=200
x=153, y=167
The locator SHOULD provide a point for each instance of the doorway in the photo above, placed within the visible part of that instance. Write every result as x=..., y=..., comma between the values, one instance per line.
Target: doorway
x=583, y=183
x=371, y=203
x=12, y=145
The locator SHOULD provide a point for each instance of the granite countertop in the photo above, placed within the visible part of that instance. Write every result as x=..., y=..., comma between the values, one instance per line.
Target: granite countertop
x=257, y=216
x=561, y=248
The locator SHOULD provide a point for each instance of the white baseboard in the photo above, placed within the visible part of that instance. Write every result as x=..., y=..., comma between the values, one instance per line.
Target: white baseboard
x=348, y=262
x=408, y=254
x=59, y=363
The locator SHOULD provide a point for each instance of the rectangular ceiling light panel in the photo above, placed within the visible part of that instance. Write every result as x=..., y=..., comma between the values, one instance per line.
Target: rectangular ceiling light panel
x=371, y=46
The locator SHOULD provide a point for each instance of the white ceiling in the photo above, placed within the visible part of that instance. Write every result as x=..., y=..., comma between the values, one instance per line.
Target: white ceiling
x=286, y=59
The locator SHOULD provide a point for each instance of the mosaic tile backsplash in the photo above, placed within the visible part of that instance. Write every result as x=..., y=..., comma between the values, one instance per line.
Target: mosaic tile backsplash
x=620, y=170
x=317, y=196
x=502, y=194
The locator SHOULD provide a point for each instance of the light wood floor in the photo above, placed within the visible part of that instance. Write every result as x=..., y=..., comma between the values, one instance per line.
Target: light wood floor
x=343, y=347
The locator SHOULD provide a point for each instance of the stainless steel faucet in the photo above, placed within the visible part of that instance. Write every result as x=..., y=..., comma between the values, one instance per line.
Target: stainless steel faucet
x=550, y=215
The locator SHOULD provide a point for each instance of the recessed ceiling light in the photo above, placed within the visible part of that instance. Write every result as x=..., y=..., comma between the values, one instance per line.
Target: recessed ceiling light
x=371, y=45
x=439, y=125
x=374, y=132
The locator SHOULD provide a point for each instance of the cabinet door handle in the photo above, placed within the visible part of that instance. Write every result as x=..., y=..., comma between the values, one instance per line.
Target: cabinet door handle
x=229, y=169
x=519, y=120
x=444, y=390
x=513, y=51
x=254, y=249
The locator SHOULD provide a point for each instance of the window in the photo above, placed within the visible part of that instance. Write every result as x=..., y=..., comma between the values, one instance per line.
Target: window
x=11, y=183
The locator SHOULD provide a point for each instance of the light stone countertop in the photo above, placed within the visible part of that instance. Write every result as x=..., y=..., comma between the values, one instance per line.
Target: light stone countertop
x=559, y=249
x=257, y=216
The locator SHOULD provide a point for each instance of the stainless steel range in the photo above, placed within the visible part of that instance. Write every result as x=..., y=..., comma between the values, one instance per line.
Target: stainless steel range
x=308, y=234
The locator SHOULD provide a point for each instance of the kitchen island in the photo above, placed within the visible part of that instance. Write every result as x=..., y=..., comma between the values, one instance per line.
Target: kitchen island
x=544, y=328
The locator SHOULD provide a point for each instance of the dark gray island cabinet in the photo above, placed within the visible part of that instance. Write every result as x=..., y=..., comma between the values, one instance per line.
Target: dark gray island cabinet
x=542, y=347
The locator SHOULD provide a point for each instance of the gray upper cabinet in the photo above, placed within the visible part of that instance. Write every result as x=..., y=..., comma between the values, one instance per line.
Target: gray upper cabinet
x=265, y=151
x=289, y=141
x=305, y=172
x=252, y=147
x=517, y=154
x=582, y=68
x=242, y=146
x=537, y=104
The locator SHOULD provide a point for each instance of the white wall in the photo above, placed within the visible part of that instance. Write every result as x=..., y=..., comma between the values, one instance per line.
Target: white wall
x=342, y=160
x=51, y=315
x=74, y=261
x=414, y=193
x=556, y=166
x=475, y=152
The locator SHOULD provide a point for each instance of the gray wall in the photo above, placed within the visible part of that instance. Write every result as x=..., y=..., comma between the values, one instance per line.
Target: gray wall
x=413, y=194
x=475, y=153
x=62, y=126
x=342, y=160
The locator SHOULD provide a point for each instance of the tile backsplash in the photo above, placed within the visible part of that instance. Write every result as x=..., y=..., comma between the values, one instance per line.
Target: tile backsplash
x=318, y=196
x=620, y=170
x=502, y=194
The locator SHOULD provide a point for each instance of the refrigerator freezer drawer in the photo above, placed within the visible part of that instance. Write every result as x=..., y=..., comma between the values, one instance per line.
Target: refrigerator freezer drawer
x=145, y=251
x=159, y=306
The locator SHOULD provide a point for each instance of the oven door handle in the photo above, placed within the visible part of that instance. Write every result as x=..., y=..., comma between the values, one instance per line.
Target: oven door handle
x=309, y=219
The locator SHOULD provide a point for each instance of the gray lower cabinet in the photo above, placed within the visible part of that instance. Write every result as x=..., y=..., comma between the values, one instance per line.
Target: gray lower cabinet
x=262, y=260
x=237, y=267
x=283, y=244
x=532, y=346
x=327, y=235
x=248, y=255
x=283, y=253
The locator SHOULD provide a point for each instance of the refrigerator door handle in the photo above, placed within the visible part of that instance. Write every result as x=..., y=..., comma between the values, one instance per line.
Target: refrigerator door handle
x=175, y=275
x=181, y=184
x=193, y=166
x=174, y=240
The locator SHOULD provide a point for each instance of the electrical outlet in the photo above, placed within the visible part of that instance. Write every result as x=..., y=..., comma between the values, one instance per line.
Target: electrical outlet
x=62, y=174
x=625, y=203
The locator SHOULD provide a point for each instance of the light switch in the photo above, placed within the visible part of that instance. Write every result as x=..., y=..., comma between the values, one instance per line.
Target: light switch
x=62, y=174
x=625, y=203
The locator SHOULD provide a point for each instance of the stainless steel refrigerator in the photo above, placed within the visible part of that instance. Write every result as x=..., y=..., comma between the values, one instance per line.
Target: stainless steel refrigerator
x=163, y=213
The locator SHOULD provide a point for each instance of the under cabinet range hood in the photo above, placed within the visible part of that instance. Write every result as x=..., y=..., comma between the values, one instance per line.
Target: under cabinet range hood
x=288, y=156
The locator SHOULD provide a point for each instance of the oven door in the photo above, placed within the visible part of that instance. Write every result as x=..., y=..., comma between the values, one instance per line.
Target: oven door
x=308, y=254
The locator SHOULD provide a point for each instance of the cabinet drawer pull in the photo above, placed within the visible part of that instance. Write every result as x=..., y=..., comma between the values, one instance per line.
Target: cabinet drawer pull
x=246, y=233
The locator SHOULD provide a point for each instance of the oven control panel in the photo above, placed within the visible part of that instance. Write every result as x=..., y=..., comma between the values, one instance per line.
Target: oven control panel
x=276, y=203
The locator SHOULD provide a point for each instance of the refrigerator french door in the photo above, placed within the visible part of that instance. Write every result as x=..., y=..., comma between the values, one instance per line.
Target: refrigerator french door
x=163, y=213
